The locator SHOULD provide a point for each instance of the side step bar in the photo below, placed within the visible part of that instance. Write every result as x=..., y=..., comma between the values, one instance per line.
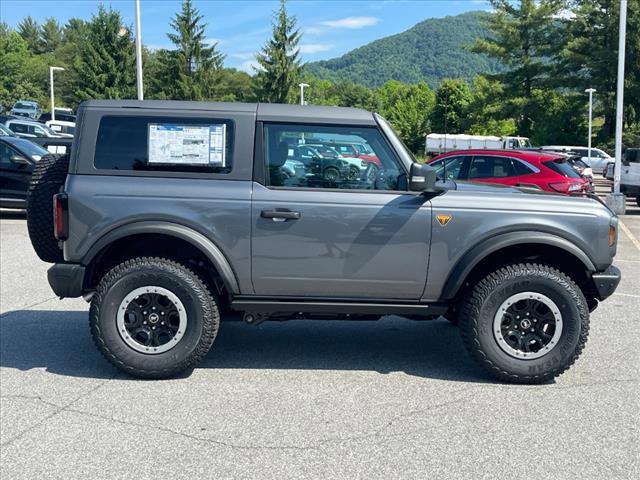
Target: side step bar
x=266, y=305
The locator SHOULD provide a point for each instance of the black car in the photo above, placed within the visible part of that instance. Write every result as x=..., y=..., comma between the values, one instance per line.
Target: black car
x=17, y=159
x=61, y=115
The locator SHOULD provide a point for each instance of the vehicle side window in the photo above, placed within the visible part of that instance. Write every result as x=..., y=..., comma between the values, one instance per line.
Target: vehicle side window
x=491, y=167
x=522, y=168
x=5, y=155
x=38, y=131
x=297, y=156
x=18, y=128
x=449, y=168
x=168, y=144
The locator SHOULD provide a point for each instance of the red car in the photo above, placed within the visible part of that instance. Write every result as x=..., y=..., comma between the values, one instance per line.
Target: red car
x=518, y=168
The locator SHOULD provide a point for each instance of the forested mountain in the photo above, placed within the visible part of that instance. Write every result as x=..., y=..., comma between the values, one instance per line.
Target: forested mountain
x=432, y=50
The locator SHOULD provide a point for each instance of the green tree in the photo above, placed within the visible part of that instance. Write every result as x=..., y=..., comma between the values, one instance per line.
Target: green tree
x=29, y=30
x=453, y=99
x=485, y=112
x=18, y=76
x=524, y=37
x=409, y=108
x=105, y=66
x=50, y=35
x=193, y=64
x=279, y=62
x=590, y=58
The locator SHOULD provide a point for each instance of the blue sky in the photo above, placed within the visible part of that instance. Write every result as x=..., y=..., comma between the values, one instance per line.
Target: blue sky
x=330, y=28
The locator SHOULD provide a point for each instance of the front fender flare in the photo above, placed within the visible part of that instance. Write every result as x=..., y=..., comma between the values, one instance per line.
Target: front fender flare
x=475, y=255
x=198, y=240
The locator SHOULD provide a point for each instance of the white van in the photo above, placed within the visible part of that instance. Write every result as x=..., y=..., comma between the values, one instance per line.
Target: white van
x=630, y=174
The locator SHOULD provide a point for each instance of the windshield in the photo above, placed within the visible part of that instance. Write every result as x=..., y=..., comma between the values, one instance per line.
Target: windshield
x=25, y=106
x=30, y=148
x=5, y=131
x=525, y=143
x=48, y=130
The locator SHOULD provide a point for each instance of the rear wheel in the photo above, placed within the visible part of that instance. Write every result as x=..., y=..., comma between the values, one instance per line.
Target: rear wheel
x=153, y=318
x=525, y=323
x=331, y=174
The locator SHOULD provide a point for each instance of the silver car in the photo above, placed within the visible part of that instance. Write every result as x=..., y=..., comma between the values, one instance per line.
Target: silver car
x=597, y=161
x=26, y=108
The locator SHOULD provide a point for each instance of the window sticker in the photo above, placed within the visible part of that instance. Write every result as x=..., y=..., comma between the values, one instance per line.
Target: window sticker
x=187, y=144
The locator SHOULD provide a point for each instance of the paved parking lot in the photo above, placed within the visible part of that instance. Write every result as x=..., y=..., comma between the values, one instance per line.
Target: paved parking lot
x=387, y=399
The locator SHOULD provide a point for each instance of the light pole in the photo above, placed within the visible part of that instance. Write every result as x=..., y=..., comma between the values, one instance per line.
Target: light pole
x=139, y=53
x=302, y=85
x=616, y=200
x=51, y=70
x=590, y=91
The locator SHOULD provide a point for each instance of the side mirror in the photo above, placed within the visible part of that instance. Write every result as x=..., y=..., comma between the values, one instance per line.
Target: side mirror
x=423, y=178
x=19, y=160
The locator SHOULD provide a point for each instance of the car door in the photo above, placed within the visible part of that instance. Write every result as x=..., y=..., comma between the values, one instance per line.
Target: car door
x=339, y=237
x=14, y=177
x=452, y=168
x=492, y=169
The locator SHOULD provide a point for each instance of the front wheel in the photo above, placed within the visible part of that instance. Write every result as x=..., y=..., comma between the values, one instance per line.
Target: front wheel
x=153, y=318
x=525, y=323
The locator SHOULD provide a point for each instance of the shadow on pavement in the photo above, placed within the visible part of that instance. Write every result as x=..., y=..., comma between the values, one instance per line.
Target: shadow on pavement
x=60, y=342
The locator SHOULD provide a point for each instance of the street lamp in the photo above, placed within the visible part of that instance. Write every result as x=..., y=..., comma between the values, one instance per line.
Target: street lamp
x=139, y=53
x=590, y=91
x=51, y=70
x=616, y=200
x=302, y=85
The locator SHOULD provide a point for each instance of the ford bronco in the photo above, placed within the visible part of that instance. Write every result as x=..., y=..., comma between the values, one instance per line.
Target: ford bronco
x=170, y=216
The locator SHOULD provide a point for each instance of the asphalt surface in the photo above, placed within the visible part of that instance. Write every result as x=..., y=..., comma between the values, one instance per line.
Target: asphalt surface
x=305, y=399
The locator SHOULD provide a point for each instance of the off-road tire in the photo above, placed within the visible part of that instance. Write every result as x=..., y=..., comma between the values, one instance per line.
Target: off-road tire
x=47, y=179
x=638, y=200
x=480, y=307
x=201, y=309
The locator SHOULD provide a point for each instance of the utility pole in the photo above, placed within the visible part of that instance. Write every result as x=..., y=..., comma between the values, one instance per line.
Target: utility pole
x=53, y=106
x=590, y=91
x=616, y=200
x=139, y=53
x=302, y=86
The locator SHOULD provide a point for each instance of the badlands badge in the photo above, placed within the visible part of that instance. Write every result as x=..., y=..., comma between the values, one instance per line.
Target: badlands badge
x=443, y=219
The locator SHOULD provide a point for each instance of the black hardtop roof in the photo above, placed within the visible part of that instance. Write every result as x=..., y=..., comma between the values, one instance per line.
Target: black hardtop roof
x=275, y=112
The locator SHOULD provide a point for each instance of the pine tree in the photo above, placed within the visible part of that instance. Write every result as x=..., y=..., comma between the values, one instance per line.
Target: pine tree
x=279, y=61
x=29, y=30
x=50, y=35
x=525, y=39
x=194, y=64
x=105, y=67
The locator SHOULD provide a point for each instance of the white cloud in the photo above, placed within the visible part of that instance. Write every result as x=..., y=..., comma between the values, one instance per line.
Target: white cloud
x=315, y=47
x=351, y=22
x=211, y=41
x=250, y=66
x=243, y=55
x=565, y=14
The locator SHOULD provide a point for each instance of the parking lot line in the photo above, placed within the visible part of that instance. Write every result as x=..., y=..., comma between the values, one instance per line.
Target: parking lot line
x=631, y=236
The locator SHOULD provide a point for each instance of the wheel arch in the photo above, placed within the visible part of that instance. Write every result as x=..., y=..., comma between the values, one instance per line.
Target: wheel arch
x=501, y=248
x=181, y=233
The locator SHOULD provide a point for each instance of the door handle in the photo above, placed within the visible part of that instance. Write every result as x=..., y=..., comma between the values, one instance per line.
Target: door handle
x=280, y=214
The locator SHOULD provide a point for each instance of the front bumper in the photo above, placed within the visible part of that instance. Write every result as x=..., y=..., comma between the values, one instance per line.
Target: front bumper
x=66, y=279
x=606, y=282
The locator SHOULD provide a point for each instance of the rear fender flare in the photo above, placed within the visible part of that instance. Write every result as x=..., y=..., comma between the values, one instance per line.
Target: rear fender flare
x=198, y=240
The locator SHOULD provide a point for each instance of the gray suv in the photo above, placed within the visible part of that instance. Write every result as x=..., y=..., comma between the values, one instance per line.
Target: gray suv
x=170, y=216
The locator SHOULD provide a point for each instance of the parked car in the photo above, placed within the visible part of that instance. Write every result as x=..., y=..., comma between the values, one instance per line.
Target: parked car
x=63, y=114
x=26, y=108
x=61, y=126
x=320, y=167
x=353, y=150
x=31, y=129
x=356, y=165
x=60, y=145
x=598, y=160
x=5, y=132
x=520, y=168
x=163, y=241
x=17, y=159
x=630, y=174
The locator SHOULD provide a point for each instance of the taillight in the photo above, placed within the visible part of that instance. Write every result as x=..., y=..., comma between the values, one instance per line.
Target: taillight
x=60, y=216
x=612, y=235
x=566, y=187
